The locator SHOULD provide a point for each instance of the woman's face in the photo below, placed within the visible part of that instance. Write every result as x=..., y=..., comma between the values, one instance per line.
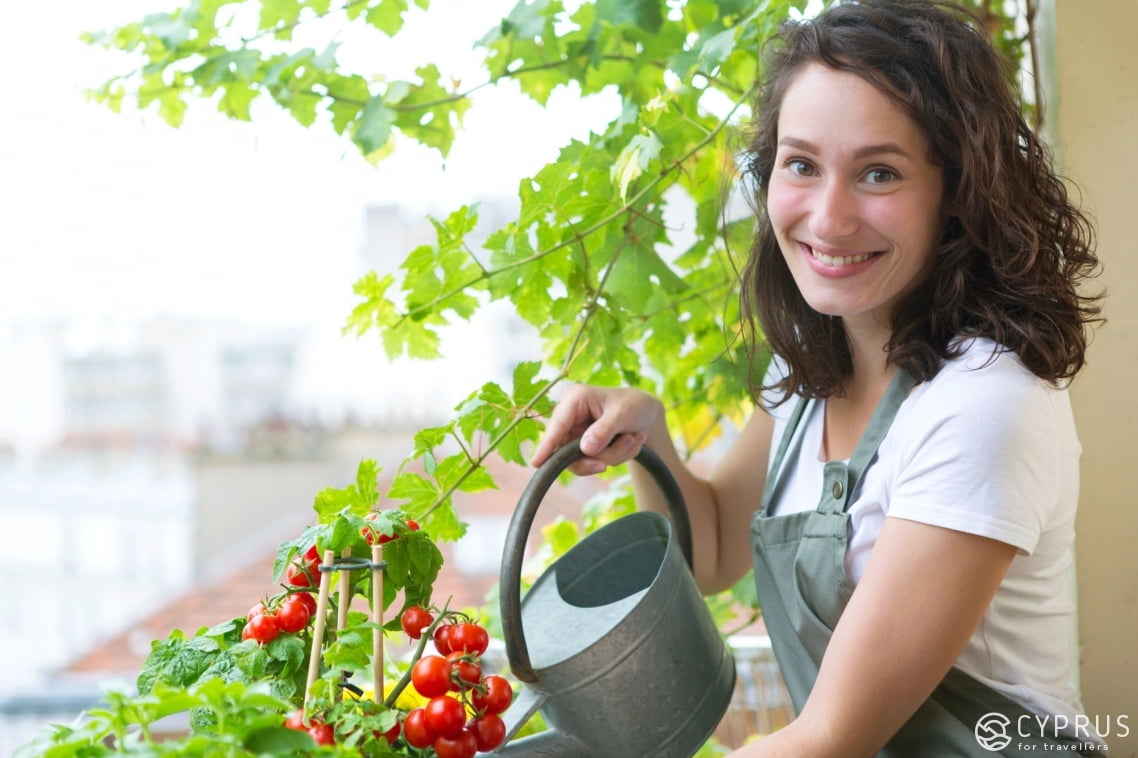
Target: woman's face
x=853, y=200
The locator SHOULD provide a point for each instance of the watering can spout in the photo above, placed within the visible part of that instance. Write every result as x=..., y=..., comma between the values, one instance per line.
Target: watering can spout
x=551, y=744
x=619, y=652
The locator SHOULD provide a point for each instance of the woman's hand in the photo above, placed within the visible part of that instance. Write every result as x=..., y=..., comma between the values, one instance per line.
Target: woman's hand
x=613, y=424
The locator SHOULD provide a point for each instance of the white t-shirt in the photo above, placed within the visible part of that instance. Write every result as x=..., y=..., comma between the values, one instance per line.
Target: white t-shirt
x=989, y=450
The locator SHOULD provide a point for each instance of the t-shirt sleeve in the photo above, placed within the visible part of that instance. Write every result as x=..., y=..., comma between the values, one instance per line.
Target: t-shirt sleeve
x=980, y=454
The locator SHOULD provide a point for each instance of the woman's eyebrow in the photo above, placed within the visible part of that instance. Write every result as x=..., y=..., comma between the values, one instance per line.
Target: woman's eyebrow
x=884, y=148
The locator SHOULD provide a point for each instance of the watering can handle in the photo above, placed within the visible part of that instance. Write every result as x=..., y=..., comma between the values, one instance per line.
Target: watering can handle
x=516, y=536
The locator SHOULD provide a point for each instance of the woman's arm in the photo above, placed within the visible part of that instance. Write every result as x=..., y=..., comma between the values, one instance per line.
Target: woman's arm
x=922, y=595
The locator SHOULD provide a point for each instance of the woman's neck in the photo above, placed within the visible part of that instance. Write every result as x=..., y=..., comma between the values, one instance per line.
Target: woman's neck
x=847, y=416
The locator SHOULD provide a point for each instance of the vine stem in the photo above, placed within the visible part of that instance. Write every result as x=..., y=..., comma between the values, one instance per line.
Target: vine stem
x=426, y=634
x=576, y=345
x=477, y=462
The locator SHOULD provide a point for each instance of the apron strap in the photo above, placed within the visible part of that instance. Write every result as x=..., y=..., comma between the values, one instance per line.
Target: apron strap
x=899, y=387
x=775, y=472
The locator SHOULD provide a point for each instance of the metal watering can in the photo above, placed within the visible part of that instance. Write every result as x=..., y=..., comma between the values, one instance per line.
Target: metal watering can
x=619, y=652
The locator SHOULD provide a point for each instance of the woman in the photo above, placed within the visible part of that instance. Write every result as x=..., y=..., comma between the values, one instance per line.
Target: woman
x=915, y=275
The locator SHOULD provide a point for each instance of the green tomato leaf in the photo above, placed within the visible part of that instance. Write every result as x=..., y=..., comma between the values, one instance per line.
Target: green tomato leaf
x=387, y=16
x=288, y=649
x=367, y=486
x=645, y=14
x=276, y=13
x=278, y=740
x=373, y=130
x=640, y=151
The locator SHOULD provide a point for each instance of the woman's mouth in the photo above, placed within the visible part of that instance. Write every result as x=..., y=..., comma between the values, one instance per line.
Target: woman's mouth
x=840, y=260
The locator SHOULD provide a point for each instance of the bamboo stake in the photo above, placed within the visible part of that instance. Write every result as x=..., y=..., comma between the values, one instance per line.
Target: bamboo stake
x=345, y=601
x=377, y=617
x=318, y=627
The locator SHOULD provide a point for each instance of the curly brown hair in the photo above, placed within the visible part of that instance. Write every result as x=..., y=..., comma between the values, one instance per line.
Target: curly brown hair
x=1016, y=249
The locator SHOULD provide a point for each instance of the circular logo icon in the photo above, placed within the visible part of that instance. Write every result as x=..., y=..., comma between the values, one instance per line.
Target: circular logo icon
x=992, y=731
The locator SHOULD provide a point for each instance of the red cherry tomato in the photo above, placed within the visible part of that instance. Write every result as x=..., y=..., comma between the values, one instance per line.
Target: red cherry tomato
x=372, y=535
x=262, y=628
x=489, y=731
x=464, y=673
x=446, y=716
x=494, y=696
x=312, y=555
x=464, y=745
x=469, y=637
x=413, y=525
x=256, y=610
x=324, y=734
x=414, y=620
x=431, y=675
x=442, y=638
x=295, y=720
x=297, y=578
x=416, y=730
x=390, y=735
x=309, y=601
x=293, y=614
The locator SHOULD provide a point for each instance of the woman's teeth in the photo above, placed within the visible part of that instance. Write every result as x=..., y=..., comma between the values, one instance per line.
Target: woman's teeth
x=844, y=260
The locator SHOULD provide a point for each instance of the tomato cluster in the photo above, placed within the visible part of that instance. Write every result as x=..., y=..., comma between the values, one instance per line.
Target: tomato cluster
x=462, y=713
x=457, y=713
x=288, y=613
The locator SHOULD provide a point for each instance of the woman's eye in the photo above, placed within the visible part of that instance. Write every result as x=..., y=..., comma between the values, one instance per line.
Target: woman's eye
x=799, y=167
x=880, y=176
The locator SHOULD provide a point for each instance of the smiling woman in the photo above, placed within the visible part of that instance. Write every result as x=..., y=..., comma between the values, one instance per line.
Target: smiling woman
x=915, y=272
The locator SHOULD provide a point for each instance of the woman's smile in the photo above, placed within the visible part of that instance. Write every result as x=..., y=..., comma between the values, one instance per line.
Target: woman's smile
x=828, y=261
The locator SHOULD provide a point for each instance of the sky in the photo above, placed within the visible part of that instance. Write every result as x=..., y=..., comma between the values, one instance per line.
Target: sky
x=107, y=215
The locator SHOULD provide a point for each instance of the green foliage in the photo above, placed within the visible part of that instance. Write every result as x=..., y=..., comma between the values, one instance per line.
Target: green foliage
x=590, y=261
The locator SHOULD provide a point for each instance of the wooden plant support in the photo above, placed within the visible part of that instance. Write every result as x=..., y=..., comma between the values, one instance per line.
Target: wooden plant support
x=328, y=566
x=377, y=566
x=327, y=563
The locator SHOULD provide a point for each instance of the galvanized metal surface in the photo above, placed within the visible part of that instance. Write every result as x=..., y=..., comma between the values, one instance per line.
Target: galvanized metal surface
x=614, y=640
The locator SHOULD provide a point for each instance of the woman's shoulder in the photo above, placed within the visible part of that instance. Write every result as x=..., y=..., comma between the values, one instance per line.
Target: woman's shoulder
x=987, y=380
x=977, y=360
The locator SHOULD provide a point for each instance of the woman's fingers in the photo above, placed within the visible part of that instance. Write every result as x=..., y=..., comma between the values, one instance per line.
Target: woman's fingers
x=574, y=416
x=563, y=427
x=611, y=424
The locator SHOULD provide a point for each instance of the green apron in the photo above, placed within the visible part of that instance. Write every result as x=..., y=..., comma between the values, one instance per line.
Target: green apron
x=800, y=575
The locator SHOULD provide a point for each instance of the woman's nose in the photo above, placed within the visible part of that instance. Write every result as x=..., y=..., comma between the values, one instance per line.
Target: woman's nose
x=834, y=213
